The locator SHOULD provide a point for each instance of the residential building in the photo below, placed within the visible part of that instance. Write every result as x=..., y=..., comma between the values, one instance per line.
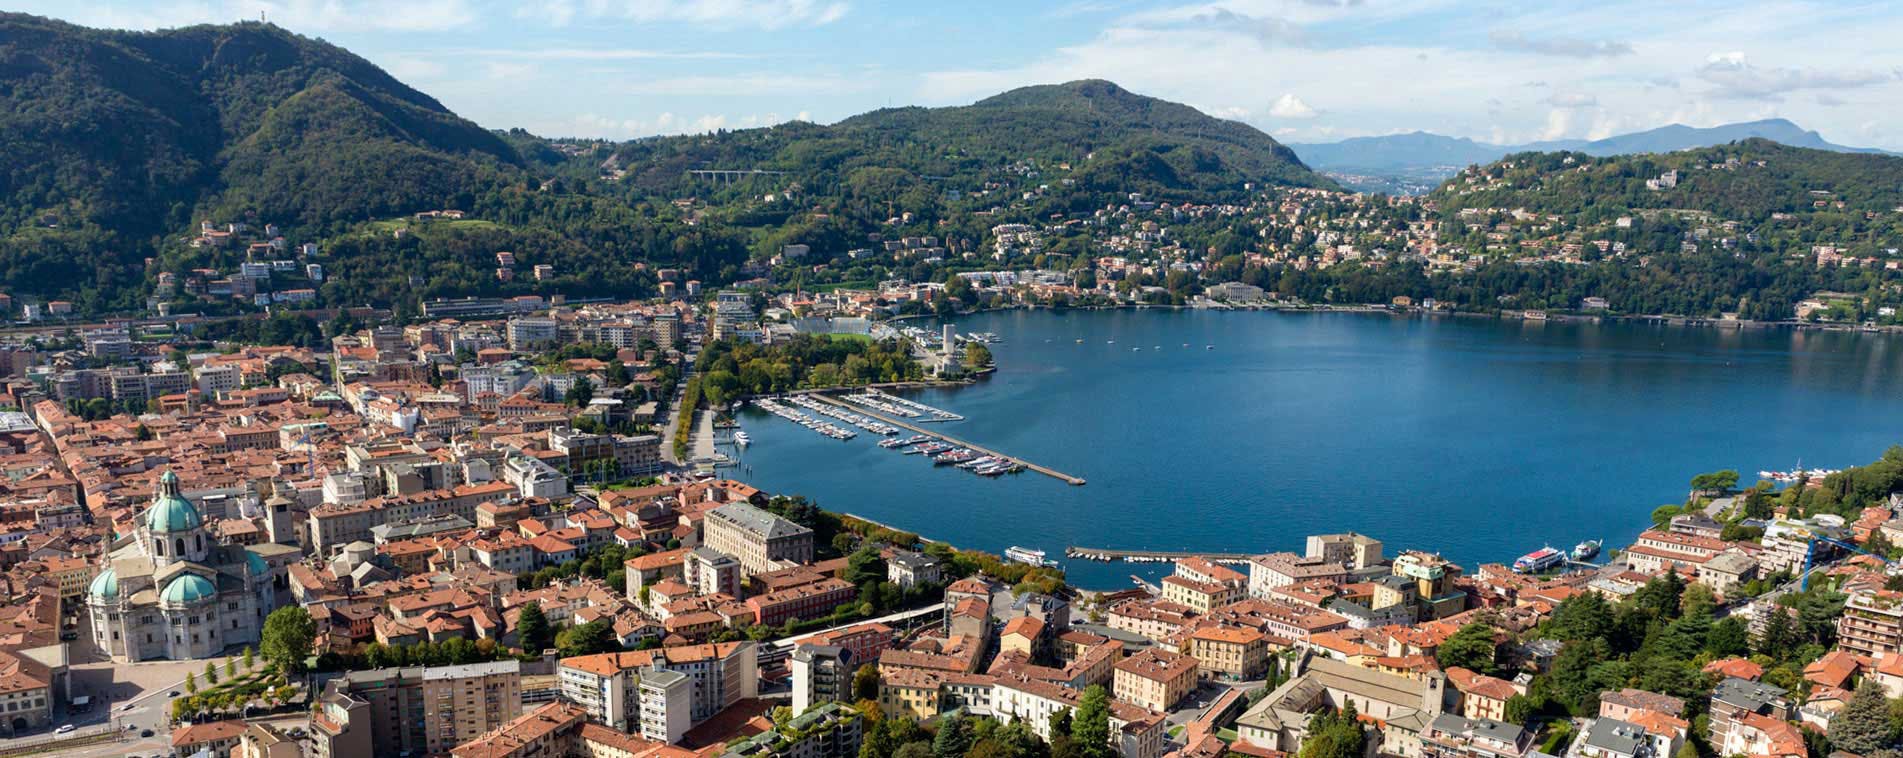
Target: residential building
x=1155, y=679
x=821, y=674
x=415, y=710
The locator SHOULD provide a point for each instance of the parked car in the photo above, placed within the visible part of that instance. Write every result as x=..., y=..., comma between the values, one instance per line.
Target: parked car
x=65, y=729
x=145, y=733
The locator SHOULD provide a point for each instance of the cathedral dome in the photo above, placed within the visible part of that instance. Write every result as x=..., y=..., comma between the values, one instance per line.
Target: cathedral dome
x=170, y=511
x=187, y=589
x=105, y=586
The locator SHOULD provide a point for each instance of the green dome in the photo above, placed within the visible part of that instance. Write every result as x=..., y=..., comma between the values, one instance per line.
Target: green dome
x=187, y=588
x=258, y=568
x=170, y=511
x=105, y=586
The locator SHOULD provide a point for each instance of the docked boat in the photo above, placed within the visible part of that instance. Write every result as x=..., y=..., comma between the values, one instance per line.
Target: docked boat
x=741, y=439
x=1585, y=550
x=1539, y=560
x=1028, y=556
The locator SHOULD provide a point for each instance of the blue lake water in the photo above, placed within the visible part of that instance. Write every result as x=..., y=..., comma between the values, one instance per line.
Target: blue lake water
x=1477, y=438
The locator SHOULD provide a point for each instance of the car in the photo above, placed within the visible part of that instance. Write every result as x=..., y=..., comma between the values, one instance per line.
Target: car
x=145, y=733
x=173, y=693
x=65, y=729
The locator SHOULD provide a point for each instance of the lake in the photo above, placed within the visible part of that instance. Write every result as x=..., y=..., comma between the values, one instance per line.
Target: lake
x=1480, y=439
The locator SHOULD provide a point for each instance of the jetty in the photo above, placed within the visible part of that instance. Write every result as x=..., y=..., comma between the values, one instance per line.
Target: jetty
x=1076, y=481
x=1152, y=556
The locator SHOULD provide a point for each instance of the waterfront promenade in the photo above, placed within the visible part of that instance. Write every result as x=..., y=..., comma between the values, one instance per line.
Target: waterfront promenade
x=1151, y=556
x=1045, y=470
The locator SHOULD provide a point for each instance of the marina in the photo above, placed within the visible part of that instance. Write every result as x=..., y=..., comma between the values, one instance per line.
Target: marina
x=1107, y=555
x=894, y=405
x=867, y=423
x=954, y=442
x=774, y=407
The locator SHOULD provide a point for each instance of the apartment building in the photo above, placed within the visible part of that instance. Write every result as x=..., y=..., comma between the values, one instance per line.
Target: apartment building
x=821, y=674
x=1872, y=623
x=414, y=710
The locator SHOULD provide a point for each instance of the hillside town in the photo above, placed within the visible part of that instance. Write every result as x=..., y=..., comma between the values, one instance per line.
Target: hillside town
x=465, y=537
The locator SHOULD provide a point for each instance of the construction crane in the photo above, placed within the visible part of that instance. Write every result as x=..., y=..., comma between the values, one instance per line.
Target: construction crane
x=1810, y=556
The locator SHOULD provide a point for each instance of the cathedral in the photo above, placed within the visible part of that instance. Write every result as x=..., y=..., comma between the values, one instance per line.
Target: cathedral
x=171, y=591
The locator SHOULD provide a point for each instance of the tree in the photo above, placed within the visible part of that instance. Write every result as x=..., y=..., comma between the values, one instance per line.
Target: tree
x=865, y=682
x=580, y=392
x=1729, y=637
x=864, y=567
x=1864, y=724
x=287, y=637
x=596, y=636
x=1470, y=648
x=211, y=672
x=1715, y=482
x=1334, y=734
x=531, y=628
x=248, y=658
x=1090, y=727
x=913, y=750
x=191, y=683
x=953, y=738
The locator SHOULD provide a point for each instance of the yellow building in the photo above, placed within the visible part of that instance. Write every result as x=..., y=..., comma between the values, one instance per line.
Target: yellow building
x=1155, y=679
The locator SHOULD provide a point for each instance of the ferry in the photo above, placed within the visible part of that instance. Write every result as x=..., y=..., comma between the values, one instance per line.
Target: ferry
x=1585, y=550
x=1028, y=556
x=1538, y=560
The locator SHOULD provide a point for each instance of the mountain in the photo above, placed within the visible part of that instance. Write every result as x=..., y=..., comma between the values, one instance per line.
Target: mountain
x=1414, y=162
x=1113, y=140
x=114, y=145
x=111, y=140
x=1848, y=198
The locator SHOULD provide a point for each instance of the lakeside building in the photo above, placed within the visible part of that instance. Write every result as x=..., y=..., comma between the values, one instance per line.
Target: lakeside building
x=759, y=540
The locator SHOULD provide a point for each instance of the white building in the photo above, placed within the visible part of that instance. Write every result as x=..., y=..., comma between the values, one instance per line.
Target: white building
x=170, y=591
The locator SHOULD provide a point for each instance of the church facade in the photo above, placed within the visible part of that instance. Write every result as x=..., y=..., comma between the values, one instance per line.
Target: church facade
x=170, y=591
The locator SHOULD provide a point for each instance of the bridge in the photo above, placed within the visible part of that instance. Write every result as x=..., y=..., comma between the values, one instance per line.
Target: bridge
x=729, y=176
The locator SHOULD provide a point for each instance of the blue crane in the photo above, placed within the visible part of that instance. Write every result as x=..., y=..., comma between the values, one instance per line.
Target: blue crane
x=1810, y=555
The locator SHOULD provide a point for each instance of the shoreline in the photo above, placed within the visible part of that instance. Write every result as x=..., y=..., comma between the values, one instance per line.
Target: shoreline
x=1502, y=315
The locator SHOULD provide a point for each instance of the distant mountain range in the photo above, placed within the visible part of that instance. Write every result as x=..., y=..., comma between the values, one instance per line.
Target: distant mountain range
x=1417, y=161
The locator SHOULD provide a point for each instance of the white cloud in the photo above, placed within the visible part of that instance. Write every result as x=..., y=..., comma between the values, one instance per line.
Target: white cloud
x=743, y=85
x=1290, y=106
x=765, y=14
x=1565, y=47
x=1733, y=76
x=1572, y=100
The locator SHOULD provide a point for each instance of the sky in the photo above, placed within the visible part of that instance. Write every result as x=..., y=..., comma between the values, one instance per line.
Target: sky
x=1302, y=70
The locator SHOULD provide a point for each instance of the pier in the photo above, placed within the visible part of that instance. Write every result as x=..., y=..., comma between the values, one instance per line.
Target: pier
x=1077, y=481
x=1152, y=556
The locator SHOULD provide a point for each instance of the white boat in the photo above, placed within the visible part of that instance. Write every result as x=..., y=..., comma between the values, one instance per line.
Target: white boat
x=1027, y=556
x=741, y=439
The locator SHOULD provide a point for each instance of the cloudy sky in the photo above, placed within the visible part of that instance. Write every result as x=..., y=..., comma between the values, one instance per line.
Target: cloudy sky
x=1304, y=70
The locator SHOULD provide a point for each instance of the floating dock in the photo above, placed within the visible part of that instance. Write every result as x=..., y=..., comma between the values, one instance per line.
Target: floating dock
x=1077, y=481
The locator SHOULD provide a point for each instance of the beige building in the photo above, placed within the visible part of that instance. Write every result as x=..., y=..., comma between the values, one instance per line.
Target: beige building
x=1229, y=652
x=1155, y=679
x=761, y=541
